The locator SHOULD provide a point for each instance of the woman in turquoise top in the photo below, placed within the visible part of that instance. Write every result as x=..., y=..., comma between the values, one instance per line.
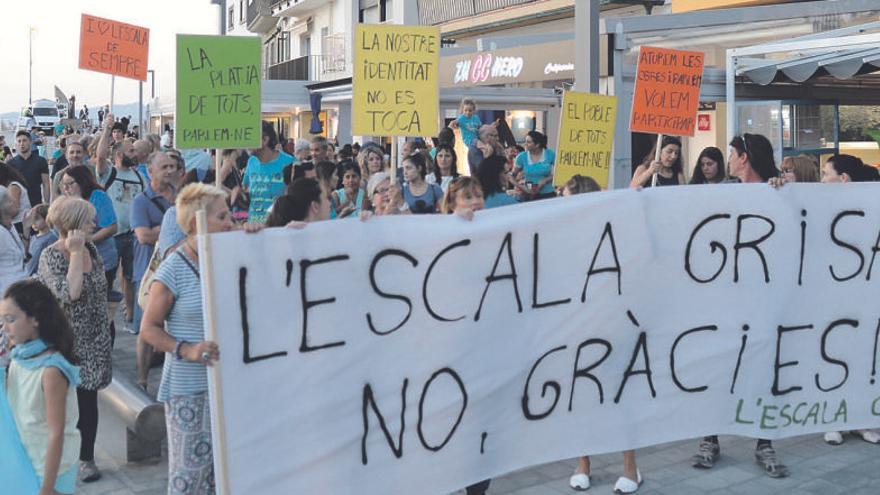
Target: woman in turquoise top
x=536, y=163
x=350, y=198
x=492, y=177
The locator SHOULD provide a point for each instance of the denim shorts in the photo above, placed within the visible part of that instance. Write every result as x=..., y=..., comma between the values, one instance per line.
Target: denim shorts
x=125, y=250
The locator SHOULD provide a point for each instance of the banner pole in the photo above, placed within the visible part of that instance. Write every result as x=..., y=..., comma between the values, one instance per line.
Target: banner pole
x=393, y=158
x=215, y=389
x=112, y=91
x=654, y=178
x=218, y=161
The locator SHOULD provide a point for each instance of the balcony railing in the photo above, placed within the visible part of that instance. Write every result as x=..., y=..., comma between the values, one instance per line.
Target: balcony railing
x=311, y=68
x=439, y=11
x=296, y=69
x=259, y=15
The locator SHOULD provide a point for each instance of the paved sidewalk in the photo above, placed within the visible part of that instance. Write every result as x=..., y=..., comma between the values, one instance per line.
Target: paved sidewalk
x=816, y=467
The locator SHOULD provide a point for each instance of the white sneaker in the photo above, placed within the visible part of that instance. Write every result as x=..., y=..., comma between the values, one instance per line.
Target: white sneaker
x=834, y=438
x=626, y=485
x=579, y=482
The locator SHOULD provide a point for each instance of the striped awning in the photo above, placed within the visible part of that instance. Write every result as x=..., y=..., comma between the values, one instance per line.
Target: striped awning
x=843, y=63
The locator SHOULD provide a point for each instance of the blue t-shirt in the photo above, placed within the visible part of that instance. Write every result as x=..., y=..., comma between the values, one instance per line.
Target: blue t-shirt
x=499, y=199
x=142, y=168
x=145, y=213
x=535, y=172
x=105, y=216
x=469, y=127
x=170, y=232
x=265, y=182
x=35, y=249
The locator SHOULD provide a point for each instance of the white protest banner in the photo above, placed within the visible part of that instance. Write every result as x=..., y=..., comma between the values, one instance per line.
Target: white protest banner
x=436, y=352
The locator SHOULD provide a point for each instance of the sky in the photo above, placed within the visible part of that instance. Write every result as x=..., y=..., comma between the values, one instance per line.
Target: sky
x=56, y=47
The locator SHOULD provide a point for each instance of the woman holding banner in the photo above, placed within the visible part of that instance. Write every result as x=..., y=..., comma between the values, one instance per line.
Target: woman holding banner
x=668, y=168
x=580, y=480
x=176, y=300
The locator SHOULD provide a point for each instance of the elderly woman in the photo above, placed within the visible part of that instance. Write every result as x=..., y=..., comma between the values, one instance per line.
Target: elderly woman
x=386, y=197
x=12, y=250
x=73, y=270
x=173, y=323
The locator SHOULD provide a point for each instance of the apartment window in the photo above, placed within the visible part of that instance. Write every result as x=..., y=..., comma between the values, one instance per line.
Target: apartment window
x=305, y=46
x=231, y=18
x=384, y=10
x=283, y=47
x=241, y=10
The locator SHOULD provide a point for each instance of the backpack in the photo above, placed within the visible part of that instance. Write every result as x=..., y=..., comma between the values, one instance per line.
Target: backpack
x=112, y=179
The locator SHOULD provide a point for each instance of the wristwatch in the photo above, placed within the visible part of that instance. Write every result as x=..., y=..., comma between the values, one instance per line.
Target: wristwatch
x=177, y=348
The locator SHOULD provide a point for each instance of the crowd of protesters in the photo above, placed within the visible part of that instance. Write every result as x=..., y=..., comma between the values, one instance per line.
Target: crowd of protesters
x=112, y=222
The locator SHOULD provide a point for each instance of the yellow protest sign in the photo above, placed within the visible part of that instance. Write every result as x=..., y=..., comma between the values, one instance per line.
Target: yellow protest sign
x=395, y=90
x=586, y=133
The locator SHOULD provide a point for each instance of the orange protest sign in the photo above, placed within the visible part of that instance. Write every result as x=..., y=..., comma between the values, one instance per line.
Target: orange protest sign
x=113, y=47
x=667, y=92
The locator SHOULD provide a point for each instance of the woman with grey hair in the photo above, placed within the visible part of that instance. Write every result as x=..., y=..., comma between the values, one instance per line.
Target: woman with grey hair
x=12, y=250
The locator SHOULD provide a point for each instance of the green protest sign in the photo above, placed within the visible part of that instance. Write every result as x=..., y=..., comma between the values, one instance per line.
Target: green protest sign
x=218, y=92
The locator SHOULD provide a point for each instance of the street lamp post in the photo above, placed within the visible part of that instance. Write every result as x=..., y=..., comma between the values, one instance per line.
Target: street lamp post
x=152, y=74
x=31, y=64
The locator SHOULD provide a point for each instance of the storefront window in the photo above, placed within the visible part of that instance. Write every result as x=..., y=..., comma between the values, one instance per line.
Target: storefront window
x=762, y=117
x=809, y=127
x=521, y=123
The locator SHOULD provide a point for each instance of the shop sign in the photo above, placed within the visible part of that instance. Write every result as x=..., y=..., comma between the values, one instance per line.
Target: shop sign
x=510, y=65
x=480, y=68
x=704, y=122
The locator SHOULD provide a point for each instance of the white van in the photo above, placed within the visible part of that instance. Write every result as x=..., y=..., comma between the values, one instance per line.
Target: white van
x=45, y=112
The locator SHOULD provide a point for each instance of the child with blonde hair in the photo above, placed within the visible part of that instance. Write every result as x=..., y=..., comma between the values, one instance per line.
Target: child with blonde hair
x=467, y=121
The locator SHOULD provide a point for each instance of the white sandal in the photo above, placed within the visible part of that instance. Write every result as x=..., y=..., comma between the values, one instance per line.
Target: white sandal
x=870, y=436
x=579, y=482
x=833, y=438
x=626, y=485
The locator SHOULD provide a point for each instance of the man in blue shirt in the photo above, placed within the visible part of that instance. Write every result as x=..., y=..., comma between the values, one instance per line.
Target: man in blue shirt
x=264, y=176
x=147, y=210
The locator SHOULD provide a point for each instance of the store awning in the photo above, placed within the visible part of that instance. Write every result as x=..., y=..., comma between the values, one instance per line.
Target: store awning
x=841, y=63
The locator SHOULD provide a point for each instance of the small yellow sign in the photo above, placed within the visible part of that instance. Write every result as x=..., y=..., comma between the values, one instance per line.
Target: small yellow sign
x=395, y=90
x=586, y=134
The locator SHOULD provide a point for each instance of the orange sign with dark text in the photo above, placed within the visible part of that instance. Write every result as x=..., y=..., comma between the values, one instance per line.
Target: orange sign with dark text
x=667, y=92
x=113, y=47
